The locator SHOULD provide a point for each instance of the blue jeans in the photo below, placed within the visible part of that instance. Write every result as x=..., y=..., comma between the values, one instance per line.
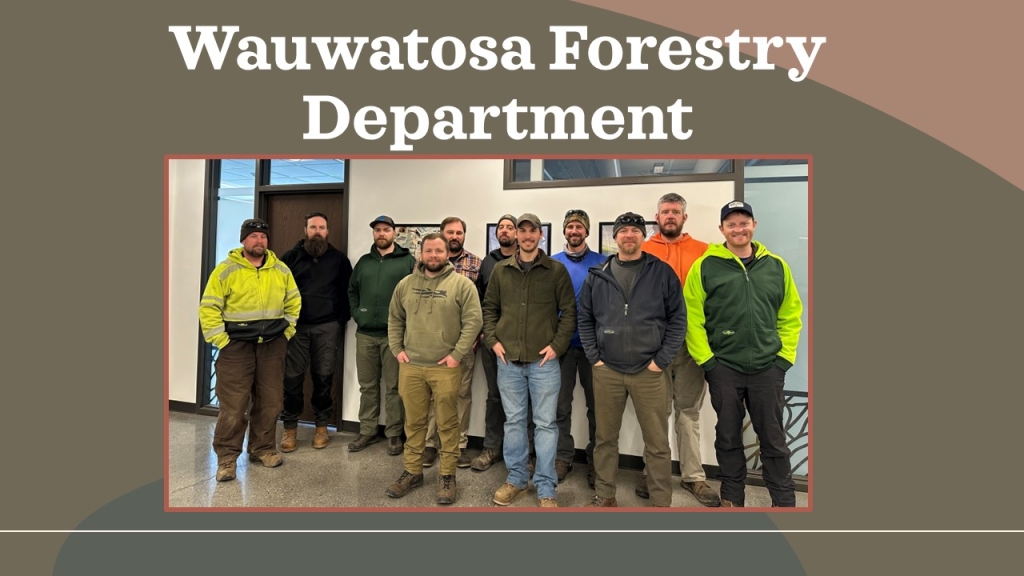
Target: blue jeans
x=539, y=384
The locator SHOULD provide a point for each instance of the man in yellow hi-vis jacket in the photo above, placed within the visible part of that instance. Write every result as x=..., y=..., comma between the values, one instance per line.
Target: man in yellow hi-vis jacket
x=248, y=311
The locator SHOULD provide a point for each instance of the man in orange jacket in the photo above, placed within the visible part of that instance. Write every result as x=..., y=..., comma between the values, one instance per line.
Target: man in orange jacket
x=685, y=377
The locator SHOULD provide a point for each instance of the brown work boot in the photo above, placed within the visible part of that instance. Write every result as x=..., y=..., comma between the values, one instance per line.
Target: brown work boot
x=269, y=459
x=446, y=489
x=506, y=494
x=361, y=442
x=288, y=443
x=464, y=460
x=487, y=457
x=641, y=487
x=727, y=504
x=225, y=471
x=548, y=503
x=599, y=502
x=562, y=469
x=395, y=445
x=404, y=484
x=321, y=439
x=705, y=494
x=429, y=456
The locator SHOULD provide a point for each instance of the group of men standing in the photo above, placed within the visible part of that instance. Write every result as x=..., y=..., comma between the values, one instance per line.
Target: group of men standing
x=650, y=323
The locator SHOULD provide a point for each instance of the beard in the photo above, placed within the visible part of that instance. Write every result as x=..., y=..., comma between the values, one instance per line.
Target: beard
x=505, y=241
x=256, y=252
x=435, y=267
x=383, y=243
x=454, y=246
x=315, y=246
x=673, y=232
x=575, y=241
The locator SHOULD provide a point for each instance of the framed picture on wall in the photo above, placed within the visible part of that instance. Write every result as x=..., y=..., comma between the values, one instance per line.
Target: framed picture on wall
x=545, y=237
x=607, y=242
x=409, y=236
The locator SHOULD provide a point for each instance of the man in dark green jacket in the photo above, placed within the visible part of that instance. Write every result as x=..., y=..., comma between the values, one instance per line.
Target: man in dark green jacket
x=743, y=326
x=529, y=318
x=369, y=293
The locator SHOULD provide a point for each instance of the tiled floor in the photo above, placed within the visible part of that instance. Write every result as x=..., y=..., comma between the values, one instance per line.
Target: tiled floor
x=335, y=478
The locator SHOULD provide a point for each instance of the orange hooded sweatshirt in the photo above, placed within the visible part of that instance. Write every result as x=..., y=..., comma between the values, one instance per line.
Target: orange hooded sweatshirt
x=680, y=255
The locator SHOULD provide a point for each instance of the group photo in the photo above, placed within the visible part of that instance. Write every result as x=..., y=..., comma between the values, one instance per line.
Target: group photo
x=558, y=333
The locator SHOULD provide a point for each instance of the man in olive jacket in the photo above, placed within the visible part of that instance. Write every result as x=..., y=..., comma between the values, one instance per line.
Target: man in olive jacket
x=369, y=293
x=529, y=318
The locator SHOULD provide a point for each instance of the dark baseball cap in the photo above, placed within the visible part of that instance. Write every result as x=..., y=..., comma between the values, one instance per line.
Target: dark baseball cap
x=382, y=219
x=528, y=217
x=736, y=206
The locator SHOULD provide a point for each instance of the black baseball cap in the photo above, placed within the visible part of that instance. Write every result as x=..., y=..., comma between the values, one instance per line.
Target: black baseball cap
x=382, y=219
x=736, y=206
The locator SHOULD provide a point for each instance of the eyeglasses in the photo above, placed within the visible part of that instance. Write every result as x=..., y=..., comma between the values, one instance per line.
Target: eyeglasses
x=574, y=212
x=258, y=225
x=637, y=221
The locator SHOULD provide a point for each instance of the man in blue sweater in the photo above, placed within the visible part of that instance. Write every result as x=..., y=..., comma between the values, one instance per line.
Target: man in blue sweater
x=578, y=258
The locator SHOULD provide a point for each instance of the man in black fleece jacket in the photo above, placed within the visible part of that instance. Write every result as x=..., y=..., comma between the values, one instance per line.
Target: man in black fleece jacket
x=322, y=273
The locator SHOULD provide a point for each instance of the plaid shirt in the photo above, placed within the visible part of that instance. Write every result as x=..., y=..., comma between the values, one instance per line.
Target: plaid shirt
x=467, y=264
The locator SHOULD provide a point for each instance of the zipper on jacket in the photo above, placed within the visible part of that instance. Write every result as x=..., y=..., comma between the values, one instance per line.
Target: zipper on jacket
x=625, y=311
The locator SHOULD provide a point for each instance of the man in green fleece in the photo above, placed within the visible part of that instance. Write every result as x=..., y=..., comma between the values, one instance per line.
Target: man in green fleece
x=743, y=326
x=433, y=322
x=369, y=293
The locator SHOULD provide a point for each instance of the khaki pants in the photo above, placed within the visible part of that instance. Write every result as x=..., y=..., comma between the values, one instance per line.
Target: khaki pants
x=464, y=402
x=648, y=391
x=686, y=381
x=422, y=388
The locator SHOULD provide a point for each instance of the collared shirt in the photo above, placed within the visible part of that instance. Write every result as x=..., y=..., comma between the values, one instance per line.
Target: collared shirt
x=467, y=264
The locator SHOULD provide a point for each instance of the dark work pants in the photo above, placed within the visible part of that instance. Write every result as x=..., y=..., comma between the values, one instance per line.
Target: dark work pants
x=761, y=395
x=247, y=371
x=574, y=359
x=318, y=343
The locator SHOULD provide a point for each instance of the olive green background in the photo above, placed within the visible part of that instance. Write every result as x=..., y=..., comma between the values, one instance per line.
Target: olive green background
x=916, y=303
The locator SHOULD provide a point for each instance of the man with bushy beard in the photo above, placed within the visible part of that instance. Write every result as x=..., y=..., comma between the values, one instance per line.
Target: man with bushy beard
x=322, y=273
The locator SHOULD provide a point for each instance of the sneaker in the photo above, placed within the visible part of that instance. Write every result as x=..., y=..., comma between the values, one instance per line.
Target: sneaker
x=288, y=443
x=395, y=445
x=226, y=472
x=562, y=469
x=599, y=502
x=404, y=484
x=362, y=441
x=592, y=476
x=705, y=494
x=446, y=489
x=321, y=439
x=506, y=494
x=548, y=503
x=487, y=457
x=269, y=459
x=641, y=487
x=464, y=460
x=429, y=456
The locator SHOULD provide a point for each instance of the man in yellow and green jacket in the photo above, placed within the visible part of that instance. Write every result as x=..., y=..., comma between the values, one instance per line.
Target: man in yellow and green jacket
x=743, y=313
x=248, y=310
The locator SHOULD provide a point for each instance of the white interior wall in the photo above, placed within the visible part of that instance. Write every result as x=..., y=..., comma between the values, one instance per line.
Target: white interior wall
x=422, y=191
x=186, y=182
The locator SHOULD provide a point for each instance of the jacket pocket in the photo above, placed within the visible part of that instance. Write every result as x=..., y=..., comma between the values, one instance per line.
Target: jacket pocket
x=726, y=342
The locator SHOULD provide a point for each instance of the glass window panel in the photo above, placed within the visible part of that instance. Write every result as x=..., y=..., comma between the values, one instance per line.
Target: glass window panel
x=309, y=171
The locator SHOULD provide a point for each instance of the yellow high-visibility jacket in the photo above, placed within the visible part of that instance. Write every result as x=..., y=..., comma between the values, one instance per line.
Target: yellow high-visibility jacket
x=242, y=302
